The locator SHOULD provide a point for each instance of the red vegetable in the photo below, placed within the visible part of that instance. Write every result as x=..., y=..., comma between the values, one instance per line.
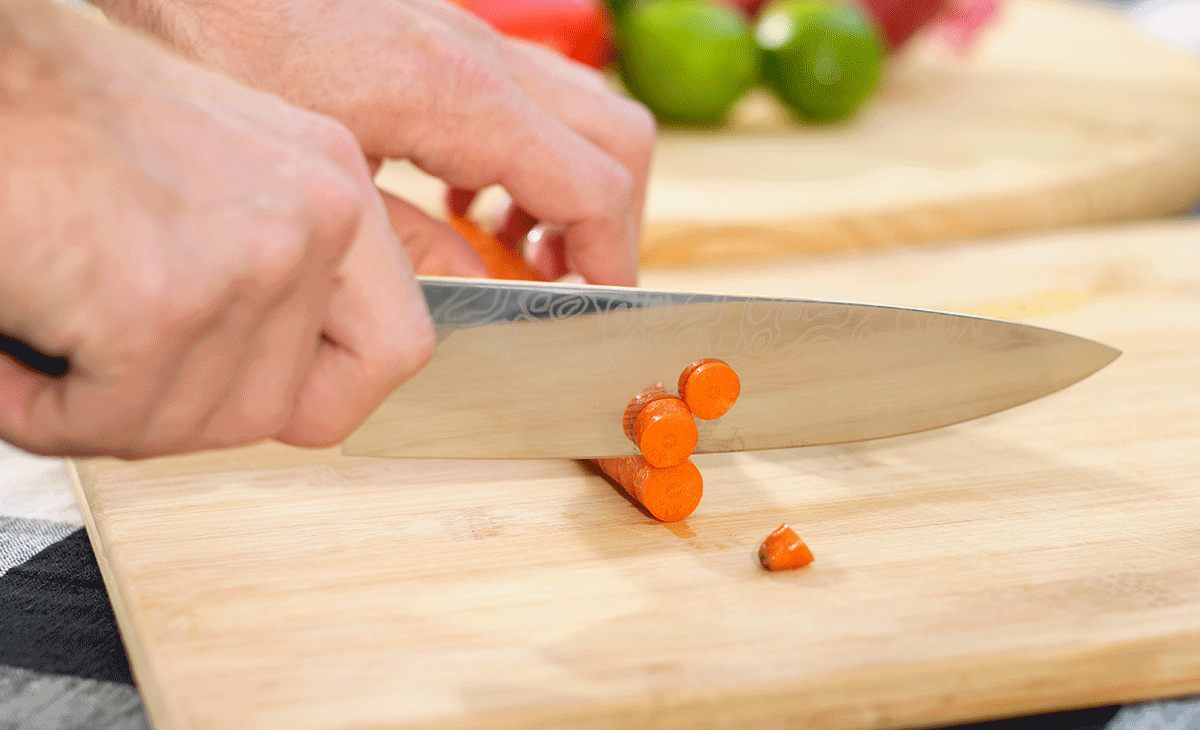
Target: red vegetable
x=899, y=20
x=578, y=29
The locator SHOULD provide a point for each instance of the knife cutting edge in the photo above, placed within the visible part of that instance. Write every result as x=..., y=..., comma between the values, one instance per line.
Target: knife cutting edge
x=532, y=370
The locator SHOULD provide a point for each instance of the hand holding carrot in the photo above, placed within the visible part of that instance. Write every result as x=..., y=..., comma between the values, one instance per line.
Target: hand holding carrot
x=424, y=80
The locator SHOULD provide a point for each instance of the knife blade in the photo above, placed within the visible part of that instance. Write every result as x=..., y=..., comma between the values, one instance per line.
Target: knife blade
x=532, y=370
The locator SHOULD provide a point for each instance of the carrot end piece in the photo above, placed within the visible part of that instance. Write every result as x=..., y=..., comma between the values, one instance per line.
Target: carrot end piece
x=784, y=550
x=669, y=493
x=502, y=262
x=710, y=387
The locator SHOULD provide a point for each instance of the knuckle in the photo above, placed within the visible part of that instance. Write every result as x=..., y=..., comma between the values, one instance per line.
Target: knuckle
x=396, y=359
x=472, y=79
x=275, y=259
x=630, y=134
x=339, y=143
x=640, y=128
x=186, y=306
x=476, y=79
x=339, y=213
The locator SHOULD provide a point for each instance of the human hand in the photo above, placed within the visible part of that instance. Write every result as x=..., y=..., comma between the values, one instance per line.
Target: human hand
x=424, y=80
x=215, y=263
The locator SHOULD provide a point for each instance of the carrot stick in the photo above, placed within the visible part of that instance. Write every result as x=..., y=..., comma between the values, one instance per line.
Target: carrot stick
x=662, y=427
x=710, y=388
x=784, y=550
x=670, y=493
x=503, y=262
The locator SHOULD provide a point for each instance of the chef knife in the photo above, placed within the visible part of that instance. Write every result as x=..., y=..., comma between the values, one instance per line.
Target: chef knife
x=532, y=370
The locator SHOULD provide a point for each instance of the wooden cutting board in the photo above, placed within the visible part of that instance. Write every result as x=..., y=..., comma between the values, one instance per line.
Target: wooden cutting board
x=1042, y=558
x=1065, y=114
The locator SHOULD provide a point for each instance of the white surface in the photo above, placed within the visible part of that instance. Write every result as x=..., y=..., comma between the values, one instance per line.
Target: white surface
x=35, y=488
x=1175, y=22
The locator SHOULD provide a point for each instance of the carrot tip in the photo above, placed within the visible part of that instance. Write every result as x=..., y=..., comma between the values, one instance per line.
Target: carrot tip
x=502, y=261
x=783, y=549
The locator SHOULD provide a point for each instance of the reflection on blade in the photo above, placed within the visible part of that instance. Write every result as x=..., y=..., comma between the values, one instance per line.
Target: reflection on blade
x=542, y=371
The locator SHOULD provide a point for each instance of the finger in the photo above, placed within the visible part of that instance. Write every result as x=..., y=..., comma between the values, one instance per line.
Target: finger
x=238, y=378
x=433, y=247
x=261, y=394
x=85, y=412
x=515, y=227
x=557, y=177
x=63, y=416
x=376, y=334
x=199, y=383
x=579, y=96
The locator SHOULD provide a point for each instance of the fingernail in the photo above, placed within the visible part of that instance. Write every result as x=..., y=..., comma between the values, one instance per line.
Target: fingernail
x=571, y=278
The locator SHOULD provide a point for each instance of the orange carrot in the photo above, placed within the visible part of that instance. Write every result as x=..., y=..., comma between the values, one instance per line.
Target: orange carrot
x=670, y=493
x=710, y=388
x=784, y=550
x=502, y=261
x=662, y=427
x=639, y=402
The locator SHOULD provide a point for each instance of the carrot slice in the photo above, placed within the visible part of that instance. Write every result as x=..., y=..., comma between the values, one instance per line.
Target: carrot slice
x=502, y=262
x=710, y=387
x=634, y=409
x=669, y=493
x=662, y=427
x=784, y=550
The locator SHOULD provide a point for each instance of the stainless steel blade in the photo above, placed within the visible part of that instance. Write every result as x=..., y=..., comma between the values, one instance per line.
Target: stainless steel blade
x=541, y=371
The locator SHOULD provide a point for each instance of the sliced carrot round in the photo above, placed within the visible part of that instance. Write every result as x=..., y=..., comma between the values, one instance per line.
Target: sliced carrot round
x=670, y=493
x=665, y=432
x=634, y=409
x=710, y=387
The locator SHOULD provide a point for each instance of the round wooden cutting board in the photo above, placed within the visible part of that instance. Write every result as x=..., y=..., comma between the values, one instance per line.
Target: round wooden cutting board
x=1065, y=114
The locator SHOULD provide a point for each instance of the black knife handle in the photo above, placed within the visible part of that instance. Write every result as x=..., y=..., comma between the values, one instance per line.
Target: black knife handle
x=32, y=358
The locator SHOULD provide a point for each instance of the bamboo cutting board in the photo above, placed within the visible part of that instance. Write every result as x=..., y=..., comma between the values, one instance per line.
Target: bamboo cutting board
x=1065, y=114
x=1042, y=558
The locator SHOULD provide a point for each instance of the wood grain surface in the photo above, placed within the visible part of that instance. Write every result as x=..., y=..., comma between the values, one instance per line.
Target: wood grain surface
x=1041, y=558
x=1064, y=115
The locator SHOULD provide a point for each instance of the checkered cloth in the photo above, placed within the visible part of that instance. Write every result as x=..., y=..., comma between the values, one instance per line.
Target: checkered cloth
x=63, y=667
